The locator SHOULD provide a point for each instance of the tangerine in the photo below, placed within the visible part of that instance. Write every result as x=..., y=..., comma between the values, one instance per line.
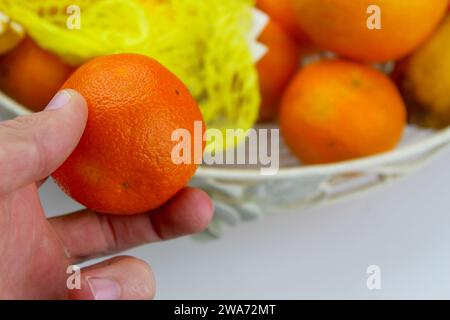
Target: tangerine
x=123, y=163
x=31, y=75
x=336, y=110
x=343, y=26
x=276, y=68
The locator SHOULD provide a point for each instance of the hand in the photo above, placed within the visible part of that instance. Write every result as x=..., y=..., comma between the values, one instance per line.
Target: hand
x=35, y=252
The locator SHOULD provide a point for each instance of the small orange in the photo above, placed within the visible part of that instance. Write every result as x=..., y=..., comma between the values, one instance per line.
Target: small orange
x=276, y=68
x=342, y=26
x=336, y=110
x=123, y=163
x=31, y=75
x=282, y=12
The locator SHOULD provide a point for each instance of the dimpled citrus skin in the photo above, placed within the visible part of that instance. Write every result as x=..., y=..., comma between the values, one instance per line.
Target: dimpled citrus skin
x=123, y=163
x=341, y=26
x=336, y=110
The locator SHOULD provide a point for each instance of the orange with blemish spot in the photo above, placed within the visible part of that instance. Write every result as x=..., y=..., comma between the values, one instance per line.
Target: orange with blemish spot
x=123, y=163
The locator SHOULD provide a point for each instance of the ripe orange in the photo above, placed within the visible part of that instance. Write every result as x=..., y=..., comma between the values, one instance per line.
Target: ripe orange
x=31, y=75
x=336, y=110
x=123, y=163
x=341, y=26
x=276, y=68
x=282, y=12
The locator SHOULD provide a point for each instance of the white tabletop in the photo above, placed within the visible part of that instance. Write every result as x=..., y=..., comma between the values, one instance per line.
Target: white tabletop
x=403, y=228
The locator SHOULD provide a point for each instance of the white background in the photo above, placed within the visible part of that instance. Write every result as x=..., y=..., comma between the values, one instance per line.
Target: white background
x=316, y=253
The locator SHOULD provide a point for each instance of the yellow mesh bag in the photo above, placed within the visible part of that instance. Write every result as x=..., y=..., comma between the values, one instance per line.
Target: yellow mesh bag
x=103, y=31
x=205, y=43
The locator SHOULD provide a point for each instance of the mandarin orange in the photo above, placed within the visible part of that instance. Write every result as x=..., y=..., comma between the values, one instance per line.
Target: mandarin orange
x=276, y=68
x=348, y=26
x=337, y=110
x=123, y=163
x=31, y=75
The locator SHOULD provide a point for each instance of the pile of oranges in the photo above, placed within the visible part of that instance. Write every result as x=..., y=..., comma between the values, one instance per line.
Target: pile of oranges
x=329, y=110
x=341, y=109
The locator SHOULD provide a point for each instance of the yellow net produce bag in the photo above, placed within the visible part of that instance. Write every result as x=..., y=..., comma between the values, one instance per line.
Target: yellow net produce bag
x=204, y=42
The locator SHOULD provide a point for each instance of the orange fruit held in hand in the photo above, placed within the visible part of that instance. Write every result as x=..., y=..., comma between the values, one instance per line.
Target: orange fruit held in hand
x=282, y=12
x=276, y=68
x=123, y=163
x=336, y=110
x=342, y=26
x=31, y=75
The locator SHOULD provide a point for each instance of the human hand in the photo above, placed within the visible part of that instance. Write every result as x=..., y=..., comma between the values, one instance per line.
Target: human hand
x=36, y=252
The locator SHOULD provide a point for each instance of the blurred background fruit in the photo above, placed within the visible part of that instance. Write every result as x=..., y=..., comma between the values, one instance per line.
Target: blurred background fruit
x=276, y=68
x=335, y=110
x=341, y=26
x=123, y=163
x=31, y=75
x=425, y=80
x=282, y=12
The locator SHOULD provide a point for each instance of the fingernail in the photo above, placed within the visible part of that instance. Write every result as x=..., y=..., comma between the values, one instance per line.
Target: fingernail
x=61, y=99
x=104, y=289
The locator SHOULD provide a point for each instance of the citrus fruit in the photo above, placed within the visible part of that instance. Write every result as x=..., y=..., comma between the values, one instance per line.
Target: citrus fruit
x=276, y=68
x=123, y=163
x=343, y=26
x=282, y=12
x=31, y=75
x=425, y=80
x=335, y=110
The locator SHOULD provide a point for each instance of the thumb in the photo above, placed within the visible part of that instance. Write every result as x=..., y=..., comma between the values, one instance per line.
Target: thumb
x=33, y=146
x=118, y=278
